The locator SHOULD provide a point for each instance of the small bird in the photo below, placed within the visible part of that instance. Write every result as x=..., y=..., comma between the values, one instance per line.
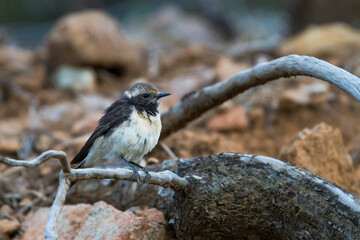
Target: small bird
x=129, y=129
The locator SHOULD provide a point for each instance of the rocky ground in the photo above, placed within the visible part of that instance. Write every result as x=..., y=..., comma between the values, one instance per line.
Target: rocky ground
x=52, y=97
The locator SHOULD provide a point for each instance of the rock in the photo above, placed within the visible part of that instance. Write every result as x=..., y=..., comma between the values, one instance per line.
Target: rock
x=226, y=68
x=193, y=79
x=86, y=125
x=91, y=38
x=163, y=28
x=8, y=227
x=10, y=145
x=235, y=118
x=6, y=210
x=321, y=150
x=75, y=78
x=335, y=39
x=313, y=94
x=11, y=132
x=59, y=116
x=98, y=221
x=15, y=60
x=305, y=12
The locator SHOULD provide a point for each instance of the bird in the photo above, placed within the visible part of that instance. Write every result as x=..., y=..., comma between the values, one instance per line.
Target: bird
x=129, y=129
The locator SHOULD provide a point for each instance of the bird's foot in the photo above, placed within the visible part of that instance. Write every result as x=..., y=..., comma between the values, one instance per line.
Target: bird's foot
x=133, y=168
x=145, y=170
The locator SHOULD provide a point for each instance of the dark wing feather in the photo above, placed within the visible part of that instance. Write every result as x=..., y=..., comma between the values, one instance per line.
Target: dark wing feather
x=116, y=114
x=99, y=131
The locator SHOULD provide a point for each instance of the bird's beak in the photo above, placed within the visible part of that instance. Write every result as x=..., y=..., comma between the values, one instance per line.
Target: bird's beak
x=161, y=95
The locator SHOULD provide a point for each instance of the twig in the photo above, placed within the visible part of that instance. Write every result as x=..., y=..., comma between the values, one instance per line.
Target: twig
x=44, y=157
x=56, y=207
x=196, y=104
x=168, y=150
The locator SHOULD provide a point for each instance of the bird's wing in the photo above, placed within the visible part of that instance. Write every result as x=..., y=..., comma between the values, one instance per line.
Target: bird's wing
x=99, y=131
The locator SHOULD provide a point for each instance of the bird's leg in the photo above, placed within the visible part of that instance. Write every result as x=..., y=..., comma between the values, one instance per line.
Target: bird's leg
x=135, y=172
x=144, y=169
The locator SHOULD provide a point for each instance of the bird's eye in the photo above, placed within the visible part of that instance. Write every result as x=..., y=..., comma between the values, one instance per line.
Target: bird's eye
x=145, y=95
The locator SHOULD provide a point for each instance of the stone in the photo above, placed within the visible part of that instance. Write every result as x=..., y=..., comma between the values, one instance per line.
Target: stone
x=15, y=60
x=321, y=150
x=163, y=28
x=333, y=39
x=10, y=145
x=234, y=118
x=98, y=221
x=86, y=125
x=9, y=226
x=226, y=68
x=76, y=79
x=91, y=38
x=312, y=94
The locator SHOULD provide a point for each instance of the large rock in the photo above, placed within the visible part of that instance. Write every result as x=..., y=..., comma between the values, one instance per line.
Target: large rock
x=91, y=38
x=321, y=150
x=234, y=118
x=98, y=221
x=335, y=39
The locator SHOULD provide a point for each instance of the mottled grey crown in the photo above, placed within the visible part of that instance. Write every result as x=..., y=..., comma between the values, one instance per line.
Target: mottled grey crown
x=140, y=88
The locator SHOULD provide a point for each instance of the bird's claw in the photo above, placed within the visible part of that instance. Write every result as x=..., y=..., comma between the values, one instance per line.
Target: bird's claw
x=148, y=176
x=135, y=173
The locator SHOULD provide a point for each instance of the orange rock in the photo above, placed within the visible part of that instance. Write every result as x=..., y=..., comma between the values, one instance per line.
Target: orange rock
x=226, y=68
x=235, y=118
x=8, y=227
x=98, y=221
x=321, y=150
x=313, y=94
x=10, y=145
x=86, y=125
x=91, y=38
x=334, y=39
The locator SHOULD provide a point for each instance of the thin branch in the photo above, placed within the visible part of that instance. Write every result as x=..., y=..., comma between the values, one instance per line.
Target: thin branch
x=168, y=150
x=196, y=104
x=164, y=179
x=44, y=157
x=64, y=185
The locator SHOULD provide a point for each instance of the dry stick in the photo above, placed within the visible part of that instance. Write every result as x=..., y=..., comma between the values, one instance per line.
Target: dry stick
x=44, y=157
x=209, y=97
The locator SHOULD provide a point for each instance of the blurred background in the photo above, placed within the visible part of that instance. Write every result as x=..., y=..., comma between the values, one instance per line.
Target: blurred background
x=63, y=62
x=27, y=22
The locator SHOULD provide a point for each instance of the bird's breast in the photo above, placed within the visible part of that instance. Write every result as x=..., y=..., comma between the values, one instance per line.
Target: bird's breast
x=135, y=137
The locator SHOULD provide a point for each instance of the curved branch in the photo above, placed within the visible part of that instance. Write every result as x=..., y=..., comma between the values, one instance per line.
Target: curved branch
x=198, y=103
x=64, y=185
x=44, y=157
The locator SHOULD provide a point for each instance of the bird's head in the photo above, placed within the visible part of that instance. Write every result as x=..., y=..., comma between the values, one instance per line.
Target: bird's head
x=144, y=95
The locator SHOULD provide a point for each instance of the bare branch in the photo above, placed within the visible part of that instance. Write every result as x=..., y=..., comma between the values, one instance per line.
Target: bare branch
x=198, y=103
x=44, y=157
x=56, y=207
x=164, y=179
